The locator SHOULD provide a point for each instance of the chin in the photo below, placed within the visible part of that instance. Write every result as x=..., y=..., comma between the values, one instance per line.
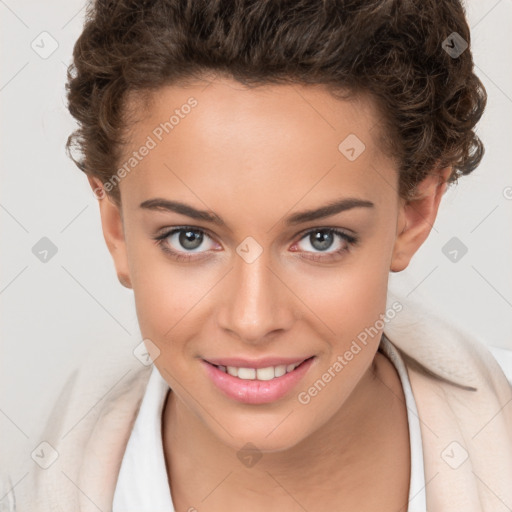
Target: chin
x=267, y=435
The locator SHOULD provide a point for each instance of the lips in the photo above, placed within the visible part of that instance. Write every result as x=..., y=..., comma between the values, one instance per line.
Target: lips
x=253, y=383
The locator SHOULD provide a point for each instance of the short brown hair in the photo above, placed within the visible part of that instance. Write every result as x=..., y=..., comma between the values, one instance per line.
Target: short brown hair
x=390, y=49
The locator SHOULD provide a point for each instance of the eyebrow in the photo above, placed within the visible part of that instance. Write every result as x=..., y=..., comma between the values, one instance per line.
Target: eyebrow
x=327, y=210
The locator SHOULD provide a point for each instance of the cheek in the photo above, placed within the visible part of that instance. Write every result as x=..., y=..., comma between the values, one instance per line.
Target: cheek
x=161, y=290
x=350, y=301
x=347, y=298
x=352, y=307
x=164, y=301
x=173, y=303
x=163, y=297
x=366, y=298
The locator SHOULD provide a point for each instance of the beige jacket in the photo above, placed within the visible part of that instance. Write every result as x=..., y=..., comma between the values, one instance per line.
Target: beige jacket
x=463, y=398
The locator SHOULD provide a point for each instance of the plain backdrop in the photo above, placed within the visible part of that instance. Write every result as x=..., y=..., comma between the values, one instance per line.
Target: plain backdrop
x=55, y=313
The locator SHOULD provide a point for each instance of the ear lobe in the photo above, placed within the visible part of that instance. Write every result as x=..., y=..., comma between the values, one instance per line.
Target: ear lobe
x=417, y=217
x=113, y=231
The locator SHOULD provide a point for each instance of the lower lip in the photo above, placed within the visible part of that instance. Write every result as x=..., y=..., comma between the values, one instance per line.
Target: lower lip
x=256, y=391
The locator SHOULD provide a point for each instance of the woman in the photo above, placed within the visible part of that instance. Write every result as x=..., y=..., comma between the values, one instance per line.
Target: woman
x=261, y=167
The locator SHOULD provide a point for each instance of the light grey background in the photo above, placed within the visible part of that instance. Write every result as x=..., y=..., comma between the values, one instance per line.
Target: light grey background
x=53, y=314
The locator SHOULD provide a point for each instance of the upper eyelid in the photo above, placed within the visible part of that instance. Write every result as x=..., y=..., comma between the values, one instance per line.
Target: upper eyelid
x=165, y=232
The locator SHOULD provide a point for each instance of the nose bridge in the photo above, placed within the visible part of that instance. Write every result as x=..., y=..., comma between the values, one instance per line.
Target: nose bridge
x=256, y=302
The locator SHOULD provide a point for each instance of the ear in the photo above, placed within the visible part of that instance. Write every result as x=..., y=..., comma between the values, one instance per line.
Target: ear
x=113, y=231
x=416, y=218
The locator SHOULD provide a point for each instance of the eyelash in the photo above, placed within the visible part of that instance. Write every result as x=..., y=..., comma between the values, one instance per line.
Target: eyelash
x=351, y=240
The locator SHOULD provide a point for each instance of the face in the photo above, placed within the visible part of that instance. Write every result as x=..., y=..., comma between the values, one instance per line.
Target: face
x=239, y=270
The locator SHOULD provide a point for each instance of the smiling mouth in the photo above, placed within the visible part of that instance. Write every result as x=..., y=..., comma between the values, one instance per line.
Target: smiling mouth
x=262, y=374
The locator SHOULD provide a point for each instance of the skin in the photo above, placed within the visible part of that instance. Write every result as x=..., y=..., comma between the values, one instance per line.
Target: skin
x=254, y=157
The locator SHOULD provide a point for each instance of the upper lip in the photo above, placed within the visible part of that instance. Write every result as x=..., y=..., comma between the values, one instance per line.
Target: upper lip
x=265, y=362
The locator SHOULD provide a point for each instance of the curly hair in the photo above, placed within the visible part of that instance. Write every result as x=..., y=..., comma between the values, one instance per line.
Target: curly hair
x=392, y=50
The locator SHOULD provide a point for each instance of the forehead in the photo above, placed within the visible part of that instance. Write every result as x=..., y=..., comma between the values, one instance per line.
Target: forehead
x=221, y=132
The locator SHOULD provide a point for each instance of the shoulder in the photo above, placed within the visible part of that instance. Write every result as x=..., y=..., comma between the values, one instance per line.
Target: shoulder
x=437, y=345
x=86, y=431
x=103, y=381
x=464, y=405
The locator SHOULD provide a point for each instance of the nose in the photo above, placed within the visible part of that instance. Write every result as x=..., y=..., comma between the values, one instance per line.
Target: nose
x=256, y=303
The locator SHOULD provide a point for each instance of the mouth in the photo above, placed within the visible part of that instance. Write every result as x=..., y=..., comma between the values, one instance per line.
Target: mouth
x=257, y=383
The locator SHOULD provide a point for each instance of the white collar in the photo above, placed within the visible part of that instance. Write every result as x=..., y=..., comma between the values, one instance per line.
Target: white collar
x=142, y=485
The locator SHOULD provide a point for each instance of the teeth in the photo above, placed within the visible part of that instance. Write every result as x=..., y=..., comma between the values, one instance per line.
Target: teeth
x=268, y=373
x=246, y=373
x=280, y=370
x=265, y=373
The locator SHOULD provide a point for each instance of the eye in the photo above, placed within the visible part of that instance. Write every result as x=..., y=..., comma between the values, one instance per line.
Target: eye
x=321, y=239
x=180, y=241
